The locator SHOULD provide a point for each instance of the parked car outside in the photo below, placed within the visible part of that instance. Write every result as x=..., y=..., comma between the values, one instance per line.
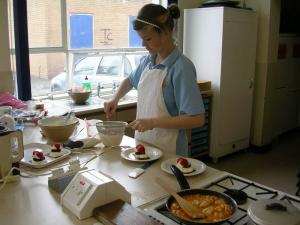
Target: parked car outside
x=106, y=69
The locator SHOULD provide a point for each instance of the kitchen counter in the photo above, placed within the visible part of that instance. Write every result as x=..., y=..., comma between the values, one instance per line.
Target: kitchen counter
x=30, y=201
x=93, y=105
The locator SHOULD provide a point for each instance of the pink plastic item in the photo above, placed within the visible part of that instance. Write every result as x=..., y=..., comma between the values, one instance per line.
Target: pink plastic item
x=8, y=99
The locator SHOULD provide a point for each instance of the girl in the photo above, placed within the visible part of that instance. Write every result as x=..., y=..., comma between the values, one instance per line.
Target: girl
x=169, y=100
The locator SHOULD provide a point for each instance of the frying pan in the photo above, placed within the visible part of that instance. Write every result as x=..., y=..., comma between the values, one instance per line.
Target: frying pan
x=186, y=190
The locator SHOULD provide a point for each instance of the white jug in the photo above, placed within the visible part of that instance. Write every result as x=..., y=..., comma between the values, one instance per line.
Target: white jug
x=11, y=149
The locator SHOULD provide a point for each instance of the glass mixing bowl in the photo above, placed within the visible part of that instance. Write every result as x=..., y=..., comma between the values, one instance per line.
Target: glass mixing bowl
x=111, y=132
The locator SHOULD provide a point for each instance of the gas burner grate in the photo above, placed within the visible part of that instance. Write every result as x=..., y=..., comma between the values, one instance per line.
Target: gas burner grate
x=253, y=190
x=293, y=201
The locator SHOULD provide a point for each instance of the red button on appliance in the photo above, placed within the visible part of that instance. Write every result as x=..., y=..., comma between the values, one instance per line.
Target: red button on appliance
x=82, y=182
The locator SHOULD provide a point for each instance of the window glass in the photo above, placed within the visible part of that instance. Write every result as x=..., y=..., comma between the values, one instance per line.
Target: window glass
x=127, y=67
x=81, y=31
x=87, y=66
x=110, y=65
x=43, y=68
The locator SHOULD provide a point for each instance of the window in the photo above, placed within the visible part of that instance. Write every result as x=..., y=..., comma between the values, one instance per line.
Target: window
x=110, y=65
x=86, y=66
x=98, y=29
x=127, y=67
x=81, y=27
x=134, y=39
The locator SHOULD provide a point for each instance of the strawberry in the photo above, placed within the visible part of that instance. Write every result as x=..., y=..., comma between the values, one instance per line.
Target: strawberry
x=140, y=149
x=57, y=146
x=183, y=162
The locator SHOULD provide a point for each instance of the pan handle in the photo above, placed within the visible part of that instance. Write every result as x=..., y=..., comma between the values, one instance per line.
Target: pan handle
x=182, y=181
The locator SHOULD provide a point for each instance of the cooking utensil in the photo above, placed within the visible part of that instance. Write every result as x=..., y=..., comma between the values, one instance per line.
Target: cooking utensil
x=68, y=115
x=238, y=195
x=138, y=171
x=271, y=211
x=187, y=206
x=187, y=191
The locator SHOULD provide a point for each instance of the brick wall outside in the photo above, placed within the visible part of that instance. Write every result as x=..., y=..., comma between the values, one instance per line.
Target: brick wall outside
x=44, y=24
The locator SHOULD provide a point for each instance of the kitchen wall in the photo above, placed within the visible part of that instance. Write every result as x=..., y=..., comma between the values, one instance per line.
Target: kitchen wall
x=6, y=76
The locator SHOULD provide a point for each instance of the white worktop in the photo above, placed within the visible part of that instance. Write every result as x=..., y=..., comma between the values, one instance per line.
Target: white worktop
x=30, y=201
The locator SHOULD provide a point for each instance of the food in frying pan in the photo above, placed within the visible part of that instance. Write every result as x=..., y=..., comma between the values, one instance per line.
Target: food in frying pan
x=214, y=208
x=140, y=152
x=184, y=165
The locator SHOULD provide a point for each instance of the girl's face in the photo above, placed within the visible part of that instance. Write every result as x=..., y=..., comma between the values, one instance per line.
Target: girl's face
x=153, y=41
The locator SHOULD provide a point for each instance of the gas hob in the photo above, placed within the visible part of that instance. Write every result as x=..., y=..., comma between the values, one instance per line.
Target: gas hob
x=254, y=191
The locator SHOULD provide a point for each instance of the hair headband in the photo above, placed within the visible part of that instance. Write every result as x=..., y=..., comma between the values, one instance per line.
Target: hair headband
x=146, y=22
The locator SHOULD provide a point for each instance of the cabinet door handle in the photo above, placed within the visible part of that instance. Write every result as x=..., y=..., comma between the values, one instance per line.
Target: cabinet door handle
x=251, y=84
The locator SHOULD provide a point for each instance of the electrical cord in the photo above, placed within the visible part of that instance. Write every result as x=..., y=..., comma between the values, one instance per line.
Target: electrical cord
x=5, y=179
x=97, y=155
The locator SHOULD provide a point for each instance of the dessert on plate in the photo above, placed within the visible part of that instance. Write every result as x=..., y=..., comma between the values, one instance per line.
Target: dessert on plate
x=140, y=152
x=38, y=156
x=56, y=151
x=184, y=165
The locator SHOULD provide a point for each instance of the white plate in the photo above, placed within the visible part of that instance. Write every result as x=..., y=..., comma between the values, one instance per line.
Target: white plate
x=46, y=149
x=198, y=166
x=152, y=152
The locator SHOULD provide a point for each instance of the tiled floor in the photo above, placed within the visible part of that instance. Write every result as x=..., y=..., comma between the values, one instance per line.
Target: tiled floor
x=277, y=167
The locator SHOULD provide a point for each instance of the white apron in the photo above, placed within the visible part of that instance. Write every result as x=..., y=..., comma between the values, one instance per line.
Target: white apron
x=151, y=104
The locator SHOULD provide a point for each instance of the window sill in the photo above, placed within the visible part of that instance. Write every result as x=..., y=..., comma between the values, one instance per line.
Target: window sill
x=61, y=104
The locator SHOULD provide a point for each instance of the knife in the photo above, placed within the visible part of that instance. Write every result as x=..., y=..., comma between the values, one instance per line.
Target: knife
x=138, y=171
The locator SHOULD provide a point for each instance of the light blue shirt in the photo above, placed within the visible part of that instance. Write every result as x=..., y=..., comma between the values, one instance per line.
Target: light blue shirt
x=181, y=92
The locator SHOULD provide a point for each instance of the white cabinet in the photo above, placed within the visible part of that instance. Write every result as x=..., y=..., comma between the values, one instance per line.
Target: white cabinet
x=221, y=42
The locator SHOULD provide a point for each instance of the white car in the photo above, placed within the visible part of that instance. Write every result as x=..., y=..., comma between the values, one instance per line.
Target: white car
x=104, y=69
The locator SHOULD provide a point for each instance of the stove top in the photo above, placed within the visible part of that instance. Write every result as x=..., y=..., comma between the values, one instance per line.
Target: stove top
x=254, y=191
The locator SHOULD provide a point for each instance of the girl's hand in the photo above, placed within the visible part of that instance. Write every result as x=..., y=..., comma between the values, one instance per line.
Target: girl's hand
x=110, y=107
x=142, y=125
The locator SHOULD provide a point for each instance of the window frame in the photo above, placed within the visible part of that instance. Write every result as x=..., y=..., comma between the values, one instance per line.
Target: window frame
x=65, y=49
